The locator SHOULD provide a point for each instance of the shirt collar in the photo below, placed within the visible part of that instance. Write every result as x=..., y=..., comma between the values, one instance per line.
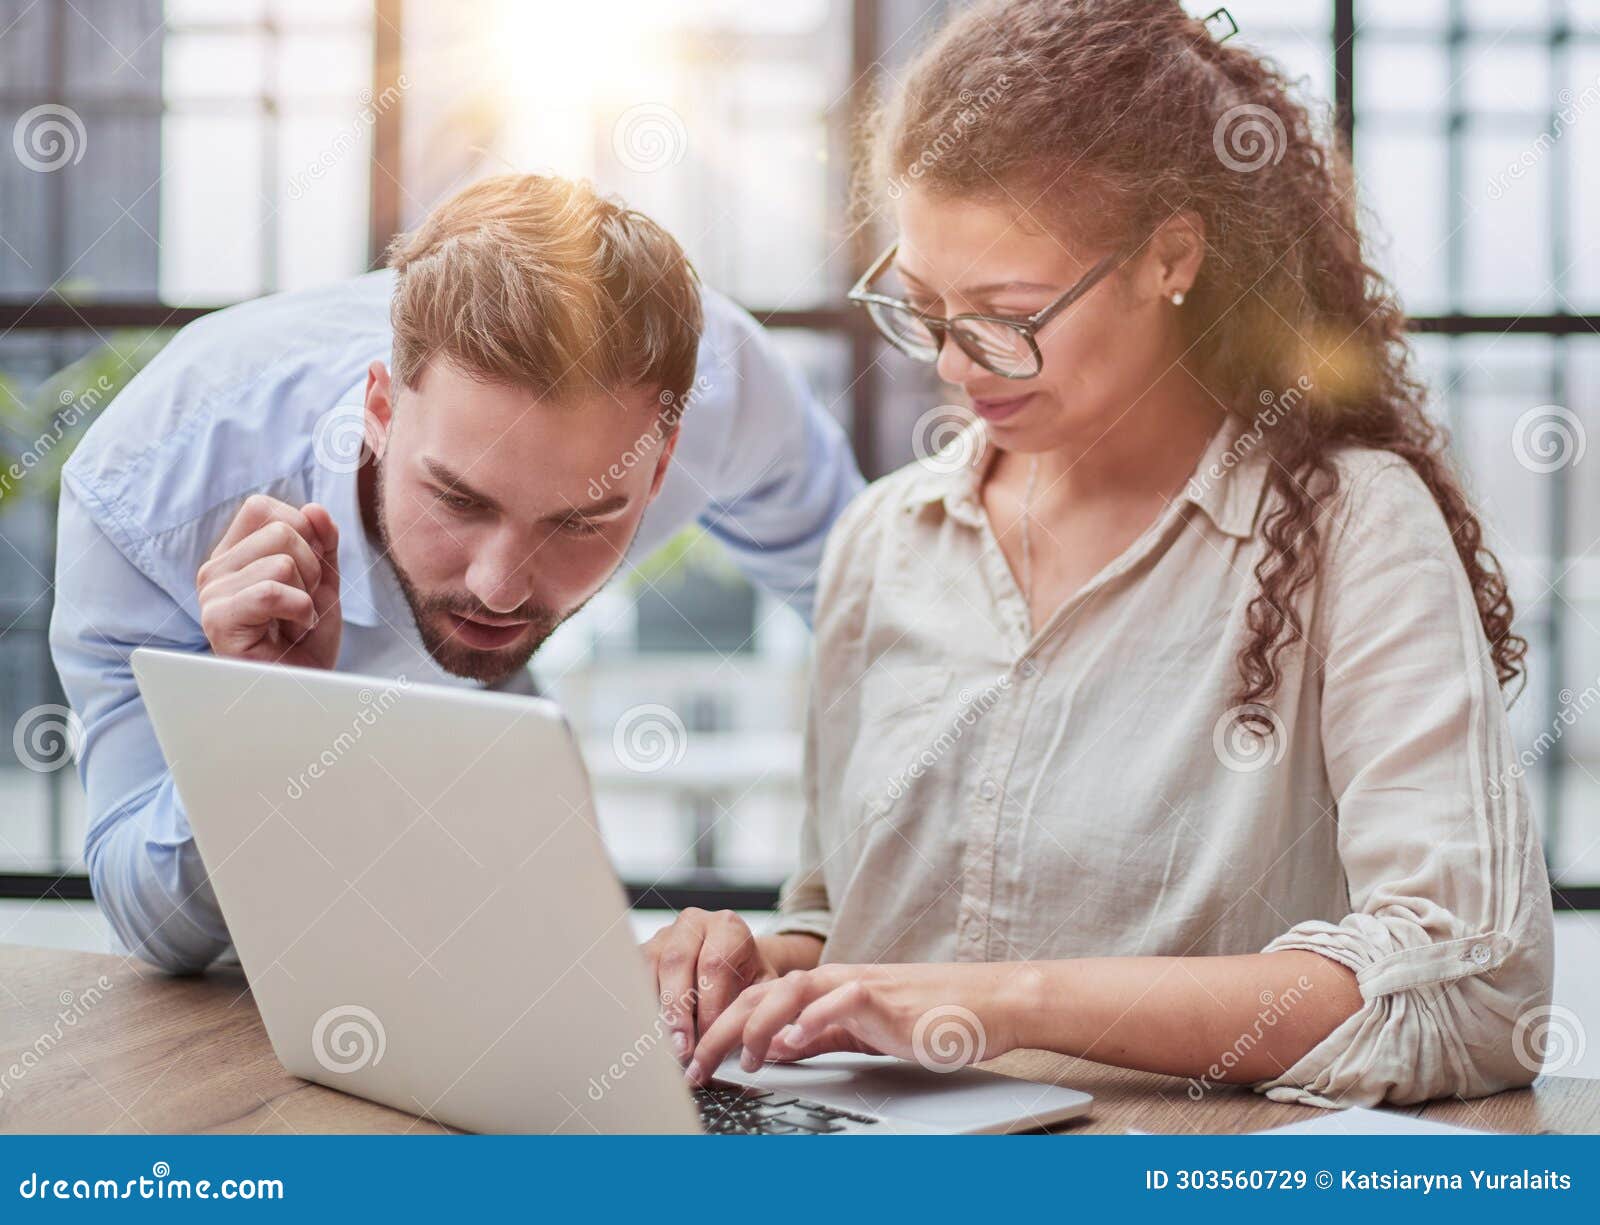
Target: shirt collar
x=359, y=560
x=1226, y=483
x=1228, y=480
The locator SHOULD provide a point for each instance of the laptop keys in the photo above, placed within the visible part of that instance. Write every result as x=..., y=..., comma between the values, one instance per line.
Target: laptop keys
x=731, y=1110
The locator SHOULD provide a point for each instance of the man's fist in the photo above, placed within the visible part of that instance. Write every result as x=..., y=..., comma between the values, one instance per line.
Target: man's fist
x=270, y=589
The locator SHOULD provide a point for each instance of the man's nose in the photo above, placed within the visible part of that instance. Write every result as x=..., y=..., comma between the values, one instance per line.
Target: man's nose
x=501, y=577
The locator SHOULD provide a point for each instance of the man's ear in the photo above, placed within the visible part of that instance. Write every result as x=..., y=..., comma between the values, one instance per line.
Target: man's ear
x=379, y=414
x=668, y=445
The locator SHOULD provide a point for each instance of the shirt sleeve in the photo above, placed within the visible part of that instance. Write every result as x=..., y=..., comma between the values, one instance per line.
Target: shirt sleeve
x=803, y=903
x=788, y=474
x=143, y=865
x=1450, y=933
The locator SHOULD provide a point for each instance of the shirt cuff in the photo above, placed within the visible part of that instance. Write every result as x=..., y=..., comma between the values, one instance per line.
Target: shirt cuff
x=806, y=922
x=1437, y=1019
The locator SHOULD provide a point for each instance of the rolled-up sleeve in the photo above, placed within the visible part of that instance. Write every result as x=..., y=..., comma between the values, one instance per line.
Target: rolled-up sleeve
x=1450, y=934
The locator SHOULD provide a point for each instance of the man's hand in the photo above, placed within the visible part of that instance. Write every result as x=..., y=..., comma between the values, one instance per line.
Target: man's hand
x=702, y=961
x=270, y=589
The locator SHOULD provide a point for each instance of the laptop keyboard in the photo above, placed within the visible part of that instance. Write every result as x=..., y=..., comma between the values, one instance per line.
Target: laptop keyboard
x=733, y=1110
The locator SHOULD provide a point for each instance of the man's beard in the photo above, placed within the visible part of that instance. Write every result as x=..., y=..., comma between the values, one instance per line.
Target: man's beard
x=487, y=667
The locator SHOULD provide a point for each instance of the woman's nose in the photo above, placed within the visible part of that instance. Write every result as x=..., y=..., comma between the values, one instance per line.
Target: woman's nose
x=953, y=364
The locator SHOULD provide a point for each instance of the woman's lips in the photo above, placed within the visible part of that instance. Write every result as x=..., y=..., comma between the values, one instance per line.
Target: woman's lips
x=997, y=409
x=484, y=636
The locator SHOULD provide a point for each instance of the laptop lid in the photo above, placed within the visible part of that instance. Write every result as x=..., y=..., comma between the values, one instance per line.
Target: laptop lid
x=406, y=871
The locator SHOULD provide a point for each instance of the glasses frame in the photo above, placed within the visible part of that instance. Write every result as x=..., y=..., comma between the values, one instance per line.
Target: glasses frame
x=1026, y=326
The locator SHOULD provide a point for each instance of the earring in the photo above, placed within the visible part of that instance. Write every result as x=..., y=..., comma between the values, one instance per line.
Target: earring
x=1177, y=297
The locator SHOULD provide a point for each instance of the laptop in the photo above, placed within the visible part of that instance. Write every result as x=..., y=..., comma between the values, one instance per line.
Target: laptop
x=417, y=891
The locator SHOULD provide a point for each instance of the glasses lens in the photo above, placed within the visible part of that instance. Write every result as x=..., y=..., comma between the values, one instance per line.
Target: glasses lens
x=1005, y=350
x=905, y=330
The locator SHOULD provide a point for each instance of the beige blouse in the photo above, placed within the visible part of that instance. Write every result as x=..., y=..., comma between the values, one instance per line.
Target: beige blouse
x=976, y=791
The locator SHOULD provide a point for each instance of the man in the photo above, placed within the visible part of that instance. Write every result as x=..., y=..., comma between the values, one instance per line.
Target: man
x=271, y=488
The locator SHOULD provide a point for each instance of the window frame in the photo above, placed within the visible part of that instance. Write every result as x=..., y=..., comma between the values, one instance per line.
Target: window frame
x=869, y=42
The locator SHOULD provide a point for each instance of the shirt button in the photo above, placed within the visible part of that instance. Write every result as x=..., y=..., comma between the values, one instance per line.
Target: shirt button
x=1028, y=667
x=1480, y=954
x=988, y=790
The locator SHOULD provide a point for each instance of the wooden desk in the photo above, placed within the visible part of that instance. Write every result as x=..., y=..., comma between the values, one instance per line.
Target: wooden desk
x=156, y=1054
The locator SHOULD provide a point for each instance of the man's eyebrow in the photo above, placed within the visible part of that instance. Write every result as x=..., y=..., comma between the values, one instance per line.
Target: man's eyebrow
x=594, y=510
x=456, y=484
x=979, y=290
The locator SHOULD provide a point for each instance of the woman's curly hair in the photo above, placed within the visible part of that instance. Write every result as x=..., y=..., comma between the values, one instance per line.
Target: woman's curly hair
x=1110, y=116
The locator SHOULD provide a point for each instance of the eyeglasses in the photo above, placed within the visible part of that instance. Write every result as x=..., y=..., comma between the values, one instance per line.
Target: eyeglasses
x=1003, y=345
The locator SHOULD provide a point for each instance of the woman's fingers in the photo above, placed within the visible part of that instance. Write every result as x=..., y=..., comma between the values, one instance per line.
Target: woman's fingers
x=725, y=1032
x=834, y=1038
x=841, y=1014
x=729, y=962
x=677, y=953
x=751, y=1020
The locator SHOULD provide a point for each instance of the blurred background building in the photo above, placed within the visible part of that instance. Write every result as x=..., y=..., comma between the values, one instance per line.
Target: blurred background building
x=170, y=157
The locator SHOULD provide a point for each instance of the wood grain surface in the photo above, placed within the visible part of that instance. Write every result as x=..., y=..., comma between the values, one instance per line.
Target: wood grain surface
x=94, y=1043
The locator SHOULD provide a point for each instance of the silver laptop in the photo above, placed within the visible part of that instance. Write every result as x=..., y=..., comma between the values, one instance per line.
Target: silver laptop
x=417, y=891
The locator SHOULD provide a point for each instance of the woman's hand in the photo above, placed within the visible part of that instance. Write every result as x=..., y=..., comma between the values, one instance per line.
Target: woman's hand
x=703, y=960
x=944, y=1016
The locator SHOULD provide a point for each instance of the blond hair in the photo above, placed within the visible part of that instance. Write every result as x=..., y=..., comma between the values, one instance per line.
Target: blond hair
x=538, y=282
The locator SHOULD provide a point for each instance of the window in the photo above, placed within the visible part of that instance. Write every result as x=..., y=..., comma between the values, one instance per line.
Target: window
x=220, y=149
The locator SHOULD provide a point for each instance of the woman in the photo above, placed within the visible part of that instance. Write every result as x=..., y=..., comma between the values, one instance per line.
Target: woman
x=1157, y=719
